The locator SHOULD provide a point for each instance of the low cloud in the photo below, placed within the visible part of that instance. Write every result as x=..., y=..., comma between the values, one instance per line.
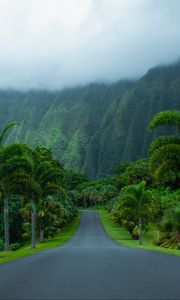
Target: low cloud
x=57, y=43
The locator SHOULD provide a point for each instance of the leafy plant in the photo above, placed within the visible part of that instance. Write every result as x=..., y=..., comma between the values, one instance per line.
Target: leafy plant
x=165, y=151
x=134, y=208
x=170, y=229
x=15, y=246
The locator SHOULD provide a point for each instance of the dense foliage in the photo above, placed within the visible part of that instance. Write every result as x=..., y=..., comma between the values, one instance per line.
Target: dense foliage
x=32, y=195
x=135, y=197
x=134, y=208
x=165, y=151
x=160, y=205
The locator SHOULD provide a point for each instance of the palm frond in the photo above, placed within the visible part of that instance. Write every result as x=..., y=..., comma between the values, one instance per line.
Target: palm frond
x=165, y=118
x=6, y=128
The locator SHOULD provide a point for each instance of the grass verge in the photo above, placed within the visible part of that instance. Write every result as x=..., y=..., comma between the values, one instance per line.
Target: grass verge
x=63, y=236
x=122, y=236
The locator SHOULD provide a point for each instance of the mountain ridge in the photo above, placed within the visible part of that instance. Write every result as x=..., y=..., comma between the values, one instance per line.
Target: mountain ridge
x=93, y=127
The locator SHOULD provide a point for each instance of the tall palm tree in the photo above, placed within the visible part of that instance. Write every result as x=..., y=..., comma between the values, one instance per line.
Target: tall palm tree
x=47, y=206
x=31, y=193
x=164, y=151
x=13, y=163
x=6, y=209
x=136, y=203
x=50, y=188
x=48, y=176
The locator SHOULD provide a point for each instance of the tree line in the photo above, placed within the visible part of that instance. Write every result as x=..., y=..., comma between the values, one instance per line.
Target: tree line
x=33, y=194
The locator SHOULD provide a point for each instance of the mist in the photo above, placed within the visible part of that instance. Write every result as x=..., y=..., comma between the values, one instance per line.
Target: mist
x=53, y=44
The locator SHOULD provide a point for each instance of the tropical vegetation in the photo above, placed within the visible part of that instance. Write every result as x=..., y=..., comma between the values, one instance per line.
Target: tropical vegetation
x=39, y=196
x=33, y=195
x=143, y=193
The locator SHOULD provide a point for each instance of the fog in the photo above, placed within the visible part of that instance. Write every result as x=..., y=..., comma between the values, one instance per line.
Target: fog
x=57, y=43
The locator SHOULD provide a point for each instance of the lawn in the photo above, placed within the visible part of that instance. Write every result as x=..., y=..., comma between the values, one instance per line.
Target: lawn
x=63, y=236
x=122, y=236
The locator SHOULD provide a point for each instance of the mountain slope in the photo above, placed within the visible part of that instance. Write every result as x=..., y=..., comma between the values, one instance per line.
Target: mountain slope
x=93, y=128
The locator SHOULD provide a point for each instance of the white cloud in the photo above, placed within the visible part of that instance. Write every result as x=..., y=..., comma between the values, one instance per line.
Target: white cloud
x=56, y=43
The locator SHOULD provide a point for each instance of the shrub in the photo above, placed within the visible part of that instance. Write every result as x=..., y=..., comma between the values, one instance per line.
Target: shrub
x=170, y=229
x=15, y=246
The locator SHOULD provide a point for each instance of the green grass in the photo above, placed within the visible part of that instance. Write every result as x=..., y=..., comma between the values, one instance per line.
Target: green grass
x=122, y=236
x=63, y=236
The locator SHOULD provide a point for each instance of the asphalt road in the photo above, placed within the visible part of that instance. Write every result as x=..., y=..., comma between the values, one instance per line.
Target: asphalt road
x=92, y=266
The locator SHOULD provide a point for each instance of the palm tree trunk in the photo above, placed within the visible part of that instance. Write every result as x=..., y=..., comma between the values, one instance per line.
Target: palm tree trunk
x=6, y=225
x=33, y=225
x=140, y=231
x=41, y=235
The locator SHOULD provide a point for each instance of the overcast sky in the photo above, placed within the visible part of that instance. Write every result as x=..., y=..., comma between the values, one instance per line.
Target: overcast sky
x=57, y=43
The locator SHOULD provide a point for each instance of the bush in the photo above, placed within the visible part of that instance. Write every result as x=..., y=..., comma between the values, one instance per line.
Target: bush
x=15, y=246
x=170, y=229
x=1, y=245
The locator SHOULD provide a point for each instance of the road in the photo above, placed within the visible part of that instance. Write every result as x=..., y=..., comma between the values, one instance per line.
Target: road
x=92, y=266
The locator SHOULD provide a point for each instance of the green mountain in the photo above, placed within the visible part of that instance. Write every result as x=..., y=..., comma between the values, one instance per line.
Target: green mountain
x=95, y=127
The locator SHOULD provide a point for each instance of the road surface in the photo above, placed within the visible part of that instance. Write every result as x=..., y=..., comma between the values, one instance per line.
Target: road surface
x=92, y=266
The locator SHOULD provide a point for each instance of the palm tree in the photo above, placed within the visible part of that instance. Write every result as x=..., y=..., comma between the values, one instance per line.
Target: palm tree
x=14, y=164
x=48, y=210
x=47, y=176
x=164, y=151
x=49, y=189
x=6, y=208
x=136, y=204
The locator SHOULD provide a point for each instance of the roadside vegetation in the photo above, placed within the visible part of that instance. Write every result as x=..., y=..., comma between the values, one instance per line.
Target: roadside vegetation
x=142, y=198
x=39, y=198
x=34, y=203
x=123, y=237
x=61, y=237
